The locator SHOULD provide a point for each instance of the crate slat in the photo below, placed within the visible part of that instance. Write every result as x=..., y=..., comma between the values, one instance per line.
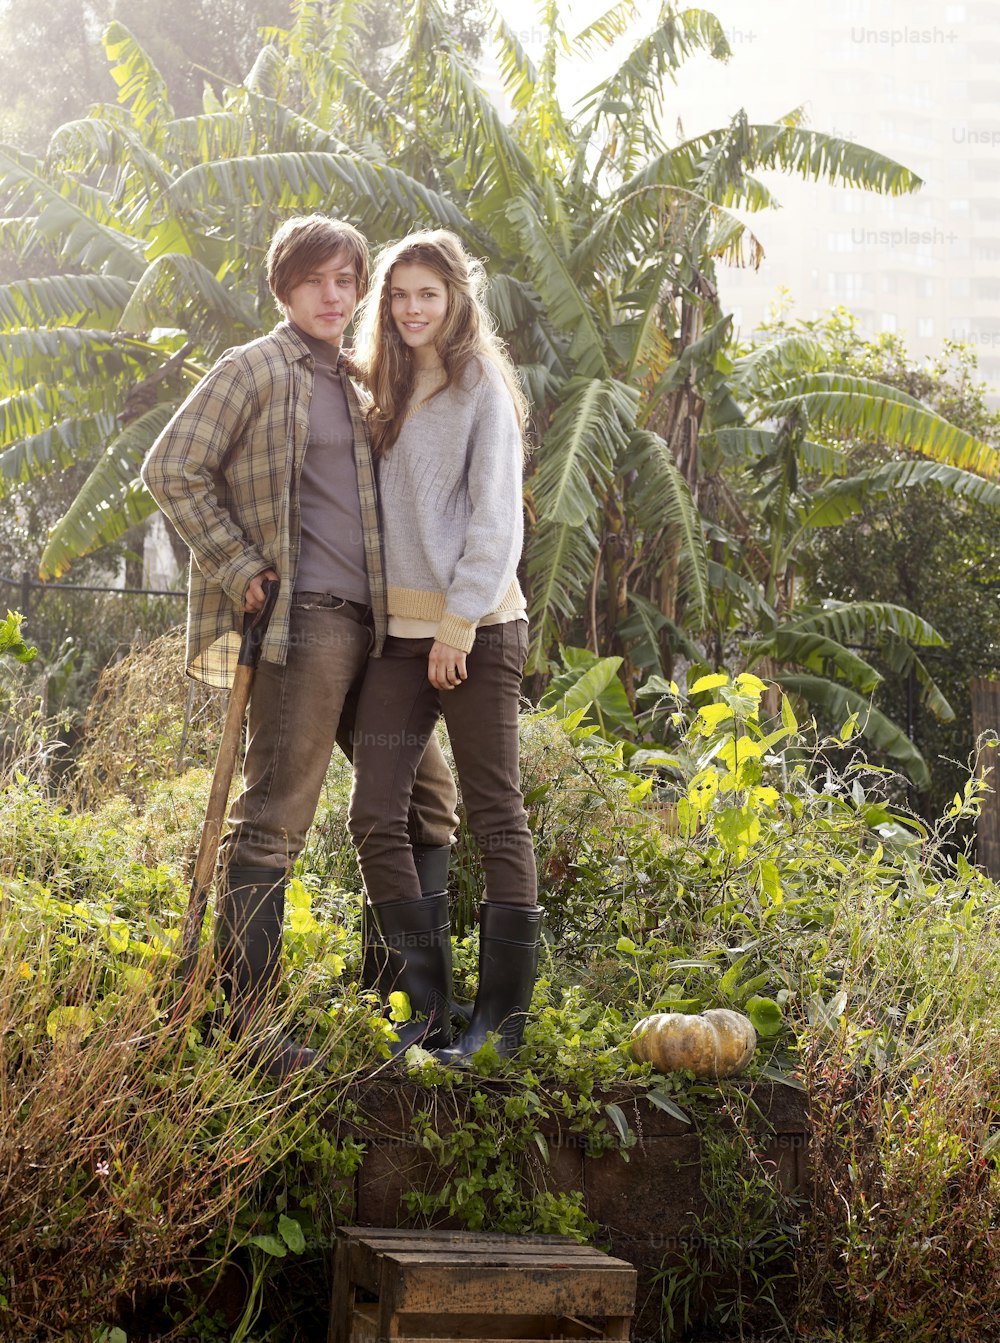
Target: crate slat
x=476, y=1288
x=521, y=1328
x=546, y=1291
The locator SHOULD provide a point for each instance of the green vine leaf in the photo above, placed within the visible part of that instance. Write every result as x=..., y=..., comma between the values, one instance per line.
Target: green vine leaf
x=542, y=1146
x=270, y=1245
x=765, y=1015
x=292, y=1234
x=658, y=1097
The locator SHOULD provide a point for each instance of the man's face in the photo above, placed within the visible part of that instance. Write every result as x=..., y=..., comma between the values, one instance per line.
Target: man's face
x=323, y=302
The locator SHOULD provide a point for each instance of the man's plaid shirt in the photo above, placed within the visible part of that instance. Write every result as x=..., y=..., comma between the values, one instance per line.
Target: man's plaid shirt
x=226, y=471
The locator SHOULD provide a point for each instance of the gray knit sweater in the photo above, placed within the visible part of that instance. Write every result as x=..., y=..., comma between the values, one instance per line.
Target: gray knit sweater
x=450, y=491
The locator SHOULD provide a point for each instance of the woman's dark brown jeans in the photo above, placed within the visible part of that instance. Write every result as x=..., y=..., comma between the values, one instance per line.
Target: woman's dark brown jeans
x=397, y=711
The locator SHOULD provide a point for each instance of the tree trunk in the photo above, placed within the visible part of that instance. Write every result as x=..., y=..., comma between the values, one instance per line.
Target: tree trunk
x=616, y=545
x=678, y=422
x=985, y=726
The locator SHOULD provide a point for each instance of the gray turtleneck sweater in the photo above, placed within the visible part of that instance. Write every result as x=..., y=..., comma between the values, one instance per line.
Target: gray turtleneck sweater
x=332, y=547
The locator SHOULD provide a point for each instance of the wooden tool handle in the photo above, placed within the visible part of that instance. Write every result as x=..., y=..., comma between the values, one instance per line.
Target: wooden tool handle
x=254, y=628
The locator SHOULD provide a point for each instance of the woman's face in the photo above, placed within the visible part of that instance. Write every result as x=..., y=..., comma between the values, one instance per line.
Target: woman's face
x=419, y=305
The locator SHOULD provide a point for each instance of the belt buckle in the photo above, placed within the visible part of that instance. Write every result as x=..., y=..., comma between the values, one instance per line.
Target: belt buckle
x=318, y=601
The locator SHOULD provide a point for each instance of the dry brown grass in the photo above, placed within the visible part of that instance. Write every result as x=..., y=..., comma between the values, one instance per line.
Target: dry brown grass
x=146, y=722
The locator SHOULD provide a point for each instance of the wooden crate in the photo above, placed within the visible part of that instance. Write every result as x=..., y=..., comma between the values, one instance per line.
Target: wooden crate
x=390, y=1283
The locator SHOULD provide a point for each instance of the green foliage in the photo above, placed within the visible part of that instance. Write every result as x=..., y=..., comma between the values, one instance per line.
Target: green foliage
x=12, y=643
x=823, y=439
x=879, y=950
x=731, y=866
x=736, y=1264
x=485, y=1143
x=601, y=235
x=904, y=1147
x=135, y=1136
x=934, y=550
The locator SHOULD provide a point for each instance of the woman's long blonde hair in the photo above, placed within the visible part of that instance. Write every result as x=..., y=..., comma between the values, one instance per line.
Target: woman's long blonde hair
x=383, y=361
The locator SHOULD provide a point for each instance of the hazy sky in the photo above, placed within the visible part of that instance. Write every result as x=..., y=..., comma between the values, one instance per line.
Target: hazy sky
x=771, y=40
x=738, y=78
x=772, y=43
x=917, y=80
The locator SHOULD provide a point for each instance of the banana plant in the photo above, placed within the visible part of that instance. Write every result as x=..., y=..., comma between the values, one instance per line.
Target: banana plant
x=606, y=237
x=783, y=470
x=603, y=240
x=153, y=229
x=602, y=237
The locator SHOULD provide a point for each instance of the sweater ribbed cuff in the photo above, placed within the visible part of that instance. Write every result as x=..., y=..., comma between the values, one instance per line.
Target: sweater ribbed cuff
x=456, y=631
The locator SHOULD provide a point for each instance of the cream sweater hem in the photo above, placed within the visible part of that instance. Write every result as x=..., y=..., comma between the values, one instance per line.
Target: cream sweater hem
x=416, y=604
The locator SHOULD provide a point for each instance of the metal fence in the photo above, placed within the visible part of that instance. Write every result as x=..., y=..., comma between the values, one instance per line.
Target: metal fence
x=27, y=585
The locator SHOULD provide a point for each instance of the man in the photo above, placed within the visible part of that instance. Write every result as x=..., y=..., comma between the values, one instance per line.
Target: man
x=266, y=472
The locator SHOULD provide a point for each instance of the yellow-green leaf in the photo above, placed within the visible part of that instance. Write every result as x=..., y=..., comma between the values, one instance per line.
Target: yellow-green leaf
x=118, y=938
x=788, y=719
x=734, y=753
x=737, y=828
x=711, y=682
x=748, y=684
x=640, y=790
x=68, y=1021
x=712, y=715
x=850, y=728
x=770, y=882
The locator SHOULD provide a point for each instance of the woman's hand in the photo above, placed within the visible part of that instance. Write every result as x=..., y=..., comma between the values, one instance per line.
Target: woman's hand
x=445, y=666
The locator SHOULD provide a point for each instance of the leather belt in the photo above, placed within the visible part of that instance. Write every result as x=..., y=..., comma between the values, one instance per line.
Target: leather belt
x=330, y=601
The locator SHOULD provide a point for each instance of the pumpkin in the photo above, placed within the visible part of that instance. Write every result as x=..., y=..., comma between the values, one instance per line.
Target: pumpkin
x=718, y=1043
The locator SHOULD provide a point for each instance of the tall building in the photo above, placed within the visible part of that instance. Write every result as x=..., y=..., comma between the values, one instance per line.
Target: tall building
x=916, y=80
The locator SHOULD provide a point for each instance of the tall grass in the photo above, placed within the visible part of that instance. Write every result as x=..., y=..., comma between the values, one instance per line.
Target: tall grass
x=902, y=1240
x=136, y=1139
x=138, y=1150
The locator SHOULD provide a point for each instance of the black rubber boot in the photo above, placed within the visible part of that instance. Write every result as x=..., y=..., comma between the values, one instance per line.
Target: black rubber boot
x=508, y=962
x=248, y=943
x=417, y=937
x=431, y=862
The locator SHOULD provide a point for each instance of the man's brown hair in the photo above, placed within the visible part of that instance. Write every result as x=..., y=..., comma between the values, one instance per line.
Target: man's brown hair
x=303, y=244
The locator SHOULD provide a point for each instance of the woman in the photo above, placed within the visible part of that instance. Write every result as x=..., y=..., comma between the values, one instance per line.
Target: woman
x=447, y=421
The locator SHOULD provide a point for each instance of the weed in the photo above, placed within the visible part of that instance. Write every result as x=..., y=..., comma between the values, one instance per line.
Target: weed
x=733, y=867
